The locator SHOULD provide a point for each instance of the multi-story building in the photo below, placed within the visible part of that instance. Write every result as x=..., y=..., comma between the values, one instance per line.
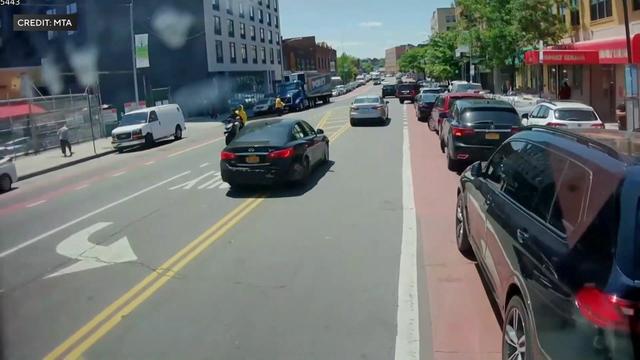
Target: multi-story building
x=304, y=53
x=392, y=55
x=228, y=46
x=443, y=19
x=592, y=56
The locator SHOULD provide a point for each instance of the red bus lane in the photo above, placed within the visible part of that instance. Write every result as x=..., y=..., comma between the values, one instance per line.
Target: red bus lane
x=463, y=324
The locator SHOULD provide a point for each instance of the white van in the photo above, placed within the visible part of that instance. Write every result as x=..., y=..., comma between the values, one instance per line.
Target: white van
x=145, y=126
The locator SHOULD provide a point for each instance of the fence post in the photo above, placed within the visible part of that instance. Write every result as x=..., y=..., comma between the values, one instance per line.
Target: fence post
x=93, y=138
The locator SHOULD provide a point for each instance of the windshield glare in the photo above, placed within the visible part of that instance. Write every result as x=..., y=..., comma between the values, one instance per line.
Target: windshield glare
x=133, y=119
x=496, y=117
x=575, y=115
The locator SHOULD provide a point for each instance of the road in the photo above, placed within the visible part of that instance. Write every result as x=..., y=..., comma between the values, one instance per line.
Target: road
x=148, y=255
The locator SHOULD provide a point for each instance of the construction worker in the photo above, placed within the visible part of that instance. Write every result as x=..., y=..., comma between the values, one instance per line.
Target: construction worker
x=279, y=106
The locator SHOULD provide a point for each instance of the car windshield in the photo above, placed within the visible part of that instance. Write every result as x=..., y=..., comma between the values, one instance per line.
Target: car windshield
x=493, y=115
x=133, y=119
x=367, y=100
x=575, y=115
x=286, y=87
x=428, y=98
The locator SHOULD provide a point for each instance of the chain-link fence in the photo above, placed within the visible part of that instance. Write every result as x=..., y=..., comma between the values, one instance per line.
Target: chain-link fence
x=29, y=126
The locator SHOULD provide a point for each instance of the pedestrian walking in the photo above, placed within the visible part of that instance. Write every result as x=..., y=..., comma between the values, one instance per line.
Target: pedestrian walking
x=63, y=135
x=565, y=91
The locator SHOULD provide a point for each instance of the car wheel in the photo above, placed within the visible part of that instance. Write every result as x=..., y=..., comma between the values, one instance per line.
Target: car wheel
x=462, y=237
x=5, y=183
x=325, y=157
x=401, y=102
x=430, y=124
x=452, y=164
x=352, y=122
x=177, y=135
x=442, y=145
x=120, y=150
x=516, y=334
x=148, y=140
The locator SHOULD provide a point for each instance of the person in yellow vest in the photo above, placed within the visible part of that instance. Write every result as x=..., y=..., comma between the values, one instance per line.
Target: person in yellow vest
x=279, y=106
x=242, y=114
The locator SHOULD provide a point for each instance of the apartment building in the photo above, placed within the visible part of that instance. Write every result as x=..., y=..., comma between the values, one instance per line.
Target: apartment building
x=443, y=19
x=592, y=56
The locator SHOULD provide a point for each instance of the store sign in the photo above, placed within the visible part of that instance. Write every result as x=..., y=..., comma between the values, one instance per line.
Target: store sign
x=562, y=57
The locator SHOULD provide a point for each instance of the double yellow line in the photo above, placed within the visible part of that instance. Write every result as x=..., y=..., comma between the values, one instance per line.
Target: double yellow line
x=110, y=317
x=107, y=319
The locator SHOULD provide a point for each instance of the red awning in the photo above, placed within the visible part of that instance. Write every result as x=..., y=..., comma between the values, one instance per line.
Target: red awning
x=19, y=110
x=561, y=57
x=613, y=50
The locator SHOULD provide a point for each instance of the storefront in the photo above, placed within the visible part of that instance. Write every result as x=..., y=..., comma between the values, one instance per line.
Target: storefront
x=594, y=70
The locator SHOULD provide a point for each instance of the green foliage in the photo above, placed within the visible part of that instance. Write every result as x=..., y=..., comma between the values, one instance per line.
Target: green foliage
x=346, y=67
x=436, y=58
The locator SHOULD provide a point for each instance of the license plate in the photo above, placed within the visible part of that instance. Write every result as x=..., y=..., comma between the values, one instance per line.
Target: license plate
x=252, y=159
x=492, y=136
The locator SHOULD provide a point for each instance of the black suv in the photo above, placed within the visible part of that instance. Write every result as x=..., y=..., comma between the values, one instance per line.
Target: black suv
x=407, y=91
x=474, y=128
x=553, y=219
x=388, y=90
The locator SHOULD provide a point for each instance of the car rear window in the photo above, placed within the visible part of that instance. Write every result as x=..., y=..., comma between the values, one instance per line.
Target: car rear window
x=403, y=87
x=367, y=100
x=428, y=98
x=497, y=116
x=273, y=133
x=575, y=115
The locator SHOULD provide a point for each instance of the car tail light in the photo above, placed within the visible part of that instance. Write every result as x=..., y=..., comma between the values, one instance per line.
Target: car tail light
x=378, y=107
x=227, y=155
x=281, y=154
x=355, y=108
x=607, y=311
x=598, y=126
x=462, y=156
x=555, y=124
x=515, y=129
x=462, y=131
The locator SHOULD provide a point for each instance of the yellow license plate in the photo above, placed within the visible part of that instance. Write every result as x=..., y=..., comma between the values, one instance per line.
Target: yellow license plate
x=252, y=159
x=492, y=136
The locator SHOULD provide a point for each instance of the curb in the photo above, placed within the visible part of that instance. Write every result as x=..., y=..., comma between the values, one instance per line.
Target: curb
x=65, y=165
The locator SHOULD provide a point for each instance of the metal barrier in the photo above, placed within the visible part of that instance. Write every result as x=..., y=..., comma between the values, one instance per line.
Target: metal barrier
x=30, y=125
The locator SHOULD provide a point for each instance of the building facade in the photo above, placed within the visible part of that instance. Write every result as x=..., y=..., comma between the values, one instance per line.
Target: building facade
x=392, y=56
x=304, y=53
x=443, y=19
x=199, y=51
x=591, y=58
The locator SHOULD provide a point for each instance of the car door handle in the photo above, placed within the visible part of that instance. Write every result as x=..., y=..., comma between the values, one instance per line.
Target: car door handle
x=488, y=200
x=522, y=235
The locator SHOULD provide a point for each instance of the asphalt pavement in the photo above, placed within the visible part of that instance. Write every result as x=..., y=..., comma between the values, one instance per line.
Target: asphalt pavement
x=149, y=255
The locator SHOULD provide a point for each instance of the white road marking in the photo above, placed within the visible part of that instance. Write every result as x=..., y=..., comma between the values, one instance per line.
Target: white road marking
x=36, y=203
x=189, y=184
x=83, y=217
x=212, y=183
x=150, y=162
x=203, y=165
x=408, y=332
x=195, y=147
x=82, y=187
x=119, y=173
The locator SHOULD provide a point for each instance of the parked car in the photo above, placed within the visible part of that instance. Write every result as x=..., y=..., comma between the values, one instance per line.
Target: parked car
x=424, y=106
x=465, y=86
x=552, y=220
x=369, y=108
x=407, y=92
x=339, y=90
x=475, y=128
x=16, y=146
x=563, y=114
x=8, y=174
x=265, y=106
x=273, y=151
x=388, y=90
x=428, y=90
x=146, y=126
x=442, y=105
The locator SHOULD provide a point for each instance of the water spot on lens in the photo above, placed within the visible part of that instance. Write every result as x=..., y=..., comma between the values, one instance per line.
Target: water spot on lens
x=84, y=62
x=51, y=75
x=172, y=26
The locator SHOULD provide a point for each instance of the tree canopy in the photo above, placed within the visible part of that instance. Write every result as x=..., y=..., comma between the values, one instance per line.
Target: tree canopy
x=347, y=69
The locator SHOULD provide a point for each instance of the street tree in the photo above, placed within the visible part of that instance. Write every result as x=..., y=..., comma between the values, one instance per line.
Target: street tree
x=346, y=67
x=440, y=62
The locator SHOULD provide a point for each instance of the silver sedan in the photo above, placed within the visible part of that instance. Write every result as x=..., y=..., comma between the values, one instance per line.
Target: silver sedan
x=369, y=107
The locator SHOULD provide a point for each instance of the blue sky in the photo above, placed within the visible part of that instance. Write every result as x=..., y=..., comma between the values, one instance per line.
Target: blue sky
x=363, y=28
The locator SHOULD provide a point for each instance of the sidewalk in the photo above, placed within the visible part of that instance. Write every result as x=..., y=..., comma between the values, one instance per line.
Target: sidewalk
x=49, y=160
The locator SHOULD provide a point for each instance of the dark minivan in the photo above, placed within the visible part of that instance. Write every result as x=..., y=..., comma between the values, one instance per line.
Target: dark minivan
x=553, y=220
x=474, y=128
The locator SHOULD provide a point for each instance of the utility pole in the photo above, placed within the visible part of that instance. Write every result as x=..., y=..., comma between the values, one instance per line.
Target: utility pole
x=133, y=53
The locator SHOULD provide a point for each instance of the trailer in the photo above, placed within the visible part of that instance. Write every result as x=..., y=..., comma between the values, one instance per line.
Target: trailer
x=304, y=89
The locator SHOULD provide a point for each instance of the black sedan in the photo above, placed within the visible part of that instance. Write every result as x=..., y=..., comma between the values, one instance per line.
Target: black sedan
x=388, y=90
x=424, y=106
x=273, y=151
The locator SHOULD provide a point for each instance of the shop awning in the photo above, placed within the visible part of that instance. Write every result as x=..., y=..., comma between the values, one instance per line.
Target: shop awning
x=19, y=110
x=561, y=57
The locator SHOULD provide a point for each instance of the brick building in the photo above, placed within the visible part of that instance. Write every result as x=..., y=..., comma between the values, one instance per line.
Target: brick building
x=392, y=56
x=304, y=53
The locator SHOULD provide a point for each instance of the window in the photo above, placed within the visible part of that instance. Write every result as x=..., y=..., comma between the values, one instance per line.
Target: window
x=260, y=16
x=271, y=55
x=252, y=32
x=259, y=2
x=298, y=132
x=219, y=54
x=544, y=112
x=215, y=4
x=277, y=38
x=241, y=9
x=308, y=129
x=575, y=12
x=243, y=53
x=232, y=52
x=270, y=37
x=569, y=203
x=254, y=54
x=276, y=21
x=262, y=34
x=636, y=4
x=600, y=9
x=268, y=4
x=229, y=7
x=495, y=166
x=252, y=14
x=279, y=57
x=263, y=55
x=275, y=5
x=232, y=30
x=153, y=116
x=72, y=9
x=269, y=19
x=217, y=25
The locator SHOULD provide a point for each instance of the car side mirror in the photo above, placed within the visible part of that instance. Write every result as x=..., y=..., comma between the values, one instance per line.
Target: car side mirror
x=319, y=131
x=525, y=116
x=476, y=169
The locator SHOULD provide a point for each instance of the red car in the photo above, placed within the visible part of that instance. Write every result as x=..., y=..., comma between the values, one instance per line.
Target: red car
x=443, y=104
